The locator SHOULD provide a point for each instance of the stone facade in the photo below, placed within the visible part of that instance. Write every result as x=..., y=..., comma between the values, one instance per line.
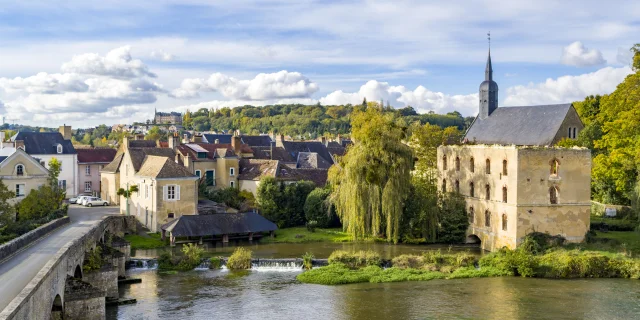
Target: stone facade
x=168, y=118
x=21, y=173
x=524, y=189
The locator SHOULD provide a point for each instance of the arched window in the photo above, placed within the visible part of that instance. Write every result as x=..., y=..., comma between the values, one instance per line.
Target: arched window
x=504, y=194
x=504, y=167
x=457, y=186
x=444, y=185
x=444, y=162
x=574, y=132
x=472, y=166
x=471, y=215
x=569, y=135
x=472, y=191
x=553, y=195
x=487, y=218
x=555, y=166
x=59, y=148
x=487, y=191
x=19, y=170
x=487, y=168
x=504, y=222
x=457, y=164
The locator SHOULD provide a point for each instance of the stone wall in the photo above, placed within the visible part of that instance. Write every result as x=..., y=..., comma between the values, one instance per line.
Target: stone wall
x=24, y=240
x=106, y=278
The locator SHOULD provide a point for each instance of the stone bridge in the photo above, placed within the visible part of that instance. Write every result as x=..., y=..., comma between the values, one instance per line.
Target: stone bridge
x=45, y=298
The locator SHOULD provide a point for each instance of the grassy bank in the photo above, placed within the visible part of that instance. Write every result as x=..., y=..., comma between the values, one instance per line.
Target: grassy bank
x=531, y=259
x=301, y=234
x=150, y=241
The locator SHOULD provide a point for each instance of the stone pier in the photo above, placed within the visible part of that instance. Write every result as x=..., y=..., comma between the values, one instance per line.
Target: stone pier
x=83, y=301
x=106, y=279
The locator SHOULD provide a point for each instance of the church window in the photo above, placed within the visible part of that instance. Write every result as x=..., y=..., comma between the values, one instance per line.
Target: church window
x=471, y=190
x=504, y=167
x=487, y=190
x=471, y=215
x=457, y=186
x=504, y=194
x=553, y=195
x=487, y=168
x=555, y=165
x=444, y=185
x=457, y=164
x=504, y=222
x=444, y=162
x=472, y=165
x=487, y=218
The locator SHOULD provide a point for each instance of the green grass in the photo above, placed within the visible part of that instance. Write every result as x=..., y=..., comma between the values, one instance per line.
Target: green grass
x=301, y=234
x=627, y=242
x=153, y=241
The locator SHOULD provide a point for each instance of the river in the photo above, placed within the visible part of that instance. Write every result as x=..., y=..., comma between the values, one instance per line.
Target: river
x=272, y=294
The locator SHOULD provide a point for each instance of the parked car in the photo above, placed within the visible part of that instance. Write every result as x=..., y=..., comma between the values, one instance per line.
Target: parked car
x=95, y=201
x=81, y=200
x=73, y=200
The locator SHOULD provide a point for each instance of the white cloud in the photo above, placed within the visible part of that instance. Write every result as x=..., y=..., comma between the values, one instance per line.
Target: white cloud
x=162, y=55
x=576, y=54
x=116, y=63
x=45, y=83
x=265, y=86
x=624, y=56
x=567, y=88
x=421, y=98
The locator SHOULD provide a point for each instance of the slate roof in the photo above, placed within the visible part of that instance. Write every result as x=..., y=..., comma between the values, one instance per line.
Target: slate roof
x=255, y=169
x=267, y=153
x=295, y=147
x=311, y=160
x=212, y=150
x=2, y=158
x=257, y=141
x=163, y=167
x=142, y=144
x=44, y=142
x=97, y=155
x=531, y=125
x=218, y=224
x=211, y=138
x=212, y=207
x=114, y=165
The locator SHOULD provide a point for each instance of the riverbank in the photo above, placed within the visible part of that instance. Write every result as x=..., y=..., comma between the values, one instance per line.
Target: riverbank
x=302, y=235
x=146, y=241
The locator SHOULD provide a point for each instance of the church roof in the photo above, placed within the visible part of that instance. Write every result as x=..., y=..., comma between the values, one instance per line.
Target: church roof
x=530, y=125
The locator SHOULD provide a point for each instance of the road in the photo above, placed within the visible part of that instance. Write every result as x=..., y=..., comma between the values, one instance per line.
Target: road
x=17, y=271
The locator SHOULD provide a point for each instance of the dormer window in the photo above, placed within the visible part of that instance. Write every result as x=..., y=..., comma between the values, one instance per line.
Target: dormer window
x=20, y=170
x=59, y=148
x=202, y=155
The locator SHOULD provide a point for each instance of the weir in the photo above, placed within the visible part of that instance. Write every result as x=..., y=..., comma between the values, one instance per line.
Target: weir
x=290, y=264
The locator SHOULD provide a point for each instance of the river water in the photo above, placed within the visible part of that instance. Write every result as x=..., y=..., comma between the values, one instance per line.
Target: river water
x=275, y=294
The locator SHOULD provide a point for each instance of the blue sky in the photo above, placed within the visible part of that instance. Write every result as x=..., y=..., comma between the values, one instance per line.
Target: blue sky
x=85, y=63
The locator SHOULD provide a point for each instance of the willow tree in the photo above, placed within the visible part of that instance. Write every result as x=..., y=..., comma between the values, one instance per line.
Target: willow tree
x=371, y=181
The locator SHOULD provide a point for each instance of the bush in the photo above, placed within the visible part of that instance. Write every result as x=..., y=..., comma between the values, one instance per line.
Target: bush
x=613, y=224
x=311, y=226
x=453, y=218
x=317, y=208
x=93, y=260
x=355, y=259
x=240, y=259
x=307, y=261
x=215, y=263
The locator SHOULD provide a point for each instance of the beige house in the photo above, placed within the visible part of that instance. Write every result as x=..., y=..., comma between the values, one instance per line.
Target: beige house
x=22, y=173
x=216, y=164
x=167, y=190
x=512, y=177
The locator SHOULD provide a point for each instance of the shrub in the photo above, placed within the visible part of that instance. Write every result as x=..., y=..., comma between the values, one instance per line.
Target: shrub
x=240, y=259
x=307, y=261
x=311, y=225
x=512, y=262
x=407, y=261
x=93, y=260
x=317, y=208
x=215, y=263
x=355, y=259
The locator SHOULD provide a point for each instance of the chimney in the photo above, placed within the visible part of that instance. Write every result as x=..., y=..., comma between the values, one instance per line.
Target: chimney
x=273, y=146
x=65, y=130
x=173, y=141
x=323, y=140
x=197, y=138
x=237, y=132
x=187, y=161
x=236, y=143
x=279, y=140
x=19, y=144
x=125, y=143
x=216, y=141
x=339, y=139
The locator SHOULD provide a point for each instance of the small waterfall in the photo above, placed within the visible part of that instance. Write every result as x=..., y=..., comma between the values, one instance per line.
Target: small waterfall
x=276, y=265
x=142, y=264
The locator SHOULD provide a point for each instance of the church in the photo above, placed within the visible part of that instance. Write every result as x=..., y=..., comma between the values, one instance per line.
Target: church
x=514, y=179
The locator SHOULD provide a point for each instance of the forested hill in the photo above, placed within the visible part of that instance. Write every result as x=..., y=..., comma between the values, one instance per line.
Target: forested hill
x=303, y=120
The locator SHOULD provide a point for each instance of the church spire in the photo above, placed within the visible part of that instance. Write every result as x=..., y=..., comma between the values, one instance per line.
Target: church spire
x=488, y=89
x=488, y=70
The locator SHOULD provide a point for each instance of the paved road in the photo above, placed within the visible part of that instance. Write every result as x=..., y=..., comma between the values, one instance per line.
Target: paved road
x=18, y=271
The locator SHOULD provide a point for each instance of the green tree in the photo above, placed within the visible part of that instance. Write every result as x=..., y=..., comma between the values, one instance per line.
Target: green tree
x=269, y=195
x=318, y=208
x=295, y=195
x=7, y=210
x=371, y=180
x=453, y=219
x=154, y=134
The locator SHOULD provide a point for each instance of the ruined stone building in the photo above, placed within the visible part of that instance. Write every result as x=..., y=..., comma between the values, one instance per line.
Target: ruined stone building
x=514, y=179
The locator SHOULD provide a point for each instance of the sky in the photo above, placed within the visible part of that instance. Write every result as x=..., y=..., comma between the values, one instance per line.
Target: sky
x=84, y=63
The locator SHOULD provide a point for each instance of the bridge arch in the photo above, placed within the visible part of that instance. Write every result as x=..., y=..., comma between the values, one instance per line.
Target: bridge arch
x=473, y=239
x=78, y=272
x=57, y=308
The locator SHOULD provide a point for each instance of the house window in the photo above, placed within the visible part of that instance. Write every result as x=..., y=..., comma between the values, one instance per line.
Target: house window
x=487, y=168
x=457, y=186
x=487, y=190
x=62, y=184
x=574, y=133
x=171, y=215
x=202, y=155
x=59, y=148
x=232, y=171
x=471, y=215
x=553, y=195
x=19, y=190
x=87, y=186
x=504, y=167
x=87, y=170
x=231, y=184
x=504, y=222
x=444, y=162
x=472, y=166
x=20, y=170
x=569, y=135
x=457, y=164
x=198, y=173
x=146, y=191
x=210, y=178
x=172, y=192
x=555, y=165
x=504, y=194
x=487, y=218
x=444, y=185
x=472, y=191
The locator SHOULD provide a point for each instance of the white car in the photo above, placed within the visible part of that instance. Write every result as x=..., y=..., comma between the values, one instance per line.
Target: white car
x=94, y=201
x=81, y=200
x=73, y=200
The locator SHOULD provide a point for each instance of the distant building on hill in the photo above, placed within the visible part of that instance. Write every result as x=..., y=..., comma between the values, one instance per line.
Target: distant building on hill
x=167, y=118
